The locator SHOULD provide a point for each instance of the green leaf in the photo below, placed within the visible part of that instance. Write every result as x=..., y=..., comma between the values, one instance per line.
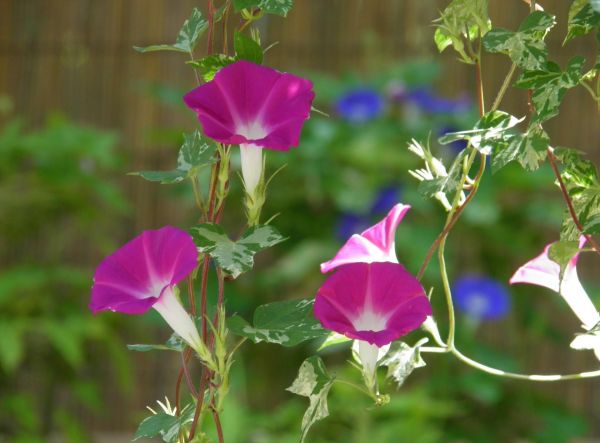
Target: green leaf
x=586, y=202
x=279, y=7
x=188, y=36
x=595, y=5
x=462, y=19
x=582, y=19
x=313, y=382
x=234, y=257
x=175, y=343
x=333, y=339
x=561, y=252
x=550, y=85
x=402, y=359
x=247, y=49
x=210, y=65
x=286, y=323
x=529, y=149
x=487, y=132
x=576, y=172
x=165, y=425
x=525, y=47
x=195, y=153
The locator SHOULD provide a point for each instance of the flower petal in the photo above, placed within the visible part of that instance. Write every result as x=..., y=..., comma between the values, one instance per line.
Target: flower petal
x=376, y=244
x=544, y=272
x=377, y=302
x=250, y=103
x=132, y=278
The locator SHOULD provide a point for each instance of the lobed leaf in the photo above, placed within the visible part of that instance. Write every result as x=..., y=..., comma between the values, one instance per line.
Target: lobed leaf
x=525, y=47
x=583, y=18
x=165, y=425
x=561, y=252
x=234, y=257
x=286, y=323
x=174, y=343
x=195, y=153
x=529, y=149
x=313, y=382
x=188, y=36
x=247, y=49
x=210, y=65
x=402, y=360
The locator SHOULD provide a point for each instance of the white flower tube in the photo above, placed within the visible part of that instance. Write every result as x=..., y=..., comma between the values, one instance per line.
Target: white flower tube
x=252, y=166
x=177, y=318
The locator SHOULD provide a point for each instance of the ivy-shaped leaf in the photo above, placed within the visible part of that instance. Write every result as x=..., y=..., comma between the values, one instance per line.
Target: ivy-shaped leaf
x=583, y=18
x=576, y=172
x=188, y=36
x=175, y=343
x=525, y=47
x=286, y=323
x=402, y=359
x=210, y=65
x=487, y=132
x=279, y=7
x=165, y=425
x=313, y=382
x=586, y=202
x=234, y=257
x=333, y=338
x=247, y=49
x=529, y=149
x=550, y=85
x=195, y=153
x=461, y=19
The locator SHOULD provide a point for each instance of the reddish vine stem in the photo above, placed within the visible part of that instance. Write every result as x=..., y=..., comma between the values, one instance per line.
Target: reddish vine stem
x=218, y=426
x=569, y=202
x=452, y=221
x=211, y=23
x=199, y=402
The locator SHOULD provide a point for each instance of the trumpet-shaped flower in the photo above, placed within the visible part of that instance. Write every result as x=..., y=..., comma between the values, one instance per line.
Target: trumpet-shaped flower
x=481, y=298
x=542, y=271
x=376, y=244
x=142, y=274
x=360, y=105
x=375, y=303
x=255, y=107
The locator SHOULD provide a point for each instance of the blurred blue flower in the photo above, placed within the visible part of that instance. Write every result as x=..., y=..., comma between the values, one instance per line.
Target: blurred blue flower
x=481, y=298
x=360, y=105
x=429, y=102
x=350, y=223
x=387, y=197
x=455, y=146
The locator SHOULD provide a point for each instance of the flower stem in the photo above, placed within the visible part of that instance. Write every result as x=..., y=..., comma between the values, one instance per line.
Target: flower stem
x=357, y=387
x=504, y=87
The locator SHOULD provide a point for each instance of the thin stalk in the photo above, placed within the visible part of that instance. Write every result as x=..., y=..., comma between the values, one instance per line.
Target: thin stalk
x=357, y=387
x=504, y=87
x=217, y=421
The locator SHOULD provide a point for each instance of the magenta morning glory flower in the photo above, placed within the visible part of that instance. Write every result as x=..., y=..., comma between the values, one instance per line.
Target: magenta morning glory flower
x=255, y=107
x=376, y=244
x=542, y=271
x=375, y=303
x=142, y=274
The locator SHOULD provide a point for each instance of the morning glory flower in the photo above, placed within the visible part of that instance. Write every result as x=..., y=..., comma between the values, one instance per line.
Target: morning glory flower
x=255, y=107
x=376, y=244
x=481, y=298
x=542, y=271
x=374, y=303
x=350, y=223
x=143, y=273
x=431, y=103
x=385, y=199
x=360, y=105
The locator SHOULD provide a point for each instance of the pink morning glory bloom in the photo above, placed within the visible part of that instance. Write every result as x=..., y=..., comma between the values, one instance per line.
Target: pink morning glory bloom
x=376, y=244
x=142, y=274
x=255, y=107
x=544, y=272
x=373, y=302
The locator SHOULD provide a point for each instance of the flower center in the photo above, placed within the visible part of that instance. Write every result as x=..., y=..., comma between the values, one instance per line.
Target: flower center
x=252, y=130
x=369, y=321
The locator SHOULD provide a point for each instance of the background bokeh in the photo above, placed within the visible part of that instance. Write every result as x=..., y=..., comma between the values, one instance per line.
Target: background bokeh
x=79, y=108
